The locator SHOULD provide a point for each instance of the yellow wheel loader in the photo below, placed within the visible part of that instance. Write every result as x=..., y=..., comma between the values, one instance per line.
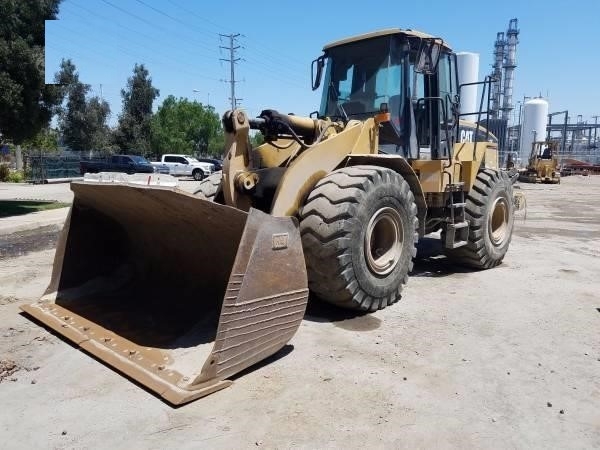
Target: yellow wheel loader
x=543, y=164
x=182, y=291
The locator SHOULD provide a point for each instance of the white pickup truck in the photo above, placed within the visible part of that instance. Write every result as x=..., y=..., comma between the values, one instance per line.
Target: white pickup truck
x=184, y=166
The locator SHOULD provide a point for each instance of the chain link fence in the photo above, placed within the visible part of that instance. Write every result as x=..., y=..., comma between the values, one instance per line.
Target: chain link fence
x=40, y=167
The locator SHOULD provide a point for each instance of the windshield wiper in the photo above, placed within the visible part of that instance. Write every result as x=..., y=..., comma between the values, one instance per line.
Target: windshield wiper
x=334, y=94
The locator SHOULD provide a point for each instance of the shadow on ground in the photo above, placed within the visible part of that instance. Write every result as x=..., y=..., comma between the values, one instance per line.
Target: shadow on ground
x=431, y=261
x=10, y=208
x=349, y=319
x=283, y=352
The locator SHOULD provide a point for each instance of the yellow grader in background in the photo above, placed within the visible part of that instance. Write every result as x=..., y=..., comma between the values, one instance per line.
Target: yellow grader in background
x=542, y=166
x=182, y=291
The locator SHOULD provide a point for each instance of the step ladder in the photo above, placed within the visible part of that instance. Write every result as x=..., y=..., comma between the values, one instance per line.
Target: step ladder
x=456, y=226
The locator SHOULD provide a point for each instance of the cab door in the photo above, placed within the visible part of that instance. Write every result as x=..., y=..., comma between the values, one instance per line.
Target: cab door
x=447, y=77
x=183, y=166
x=173, y=164
x=119, y=164
x=434, y=108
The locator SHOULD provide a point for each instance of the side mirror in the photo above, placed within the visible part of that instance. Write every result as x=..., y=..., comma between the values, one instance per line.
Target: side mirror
x=317, y=72
x=428, y=56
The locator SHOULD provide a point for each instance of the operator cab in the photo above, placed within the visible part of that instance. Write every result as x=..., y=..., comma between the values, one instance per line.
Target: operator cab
x=410, y=74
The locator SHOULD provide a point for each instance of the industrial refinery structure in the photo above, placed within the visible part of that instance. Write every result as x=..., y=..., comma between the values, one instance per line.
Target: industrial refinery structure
x=516, y=130
x=578, y=139
x=502, y=78
x=503, y=74
x=505, y=63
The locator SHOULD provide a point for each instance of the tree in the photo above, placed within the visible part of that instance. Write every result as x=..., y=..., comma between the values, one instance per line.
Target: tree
x=133, y=131
x=26, y=103
x=96, y=116
x=72, y=116
x=257, y=139
x=184, y=126
x=46, y=139
x=216, y=145
x=82, y=121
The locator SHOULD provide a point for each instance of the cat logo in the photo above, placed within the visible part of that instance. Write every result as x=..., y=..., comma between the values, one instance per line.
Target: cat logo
x=466, y=135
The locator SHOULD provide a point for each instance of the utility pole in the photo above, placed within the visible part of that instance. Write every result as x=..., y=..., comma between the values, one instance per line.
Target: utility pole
x=232, y=60
x=197, y=91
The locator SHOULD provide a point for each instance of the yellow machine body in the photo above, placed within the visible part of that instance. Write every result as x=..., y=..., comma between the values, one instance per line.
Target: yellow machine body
x=182, y=291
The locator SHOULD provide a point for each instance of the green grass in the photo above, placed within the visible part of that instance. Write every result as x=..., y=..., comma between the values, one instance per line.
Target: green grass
x=19, y=207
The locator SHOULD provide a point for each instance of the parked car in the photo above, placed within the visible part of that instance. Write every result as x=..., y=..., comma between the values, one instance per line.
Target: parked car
x=184, y=165
x=215, y=162
x=117, y=163
x=161, y=168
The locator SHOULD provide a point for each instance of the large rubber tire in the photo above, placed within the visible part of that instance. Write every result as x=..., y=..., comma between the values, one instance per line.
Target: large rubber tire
x=490, y=213
x=210, y=187
x=359, y=232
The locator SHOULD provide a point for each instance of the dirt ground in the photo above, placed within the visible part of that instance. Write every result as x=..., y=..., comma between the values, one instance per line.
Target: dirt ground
x=505, y=358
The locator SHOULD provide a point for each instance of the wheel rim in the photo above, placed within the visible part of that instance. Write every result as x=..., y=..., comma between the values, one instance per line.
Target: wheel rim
x=383, y=241
x=498, y=221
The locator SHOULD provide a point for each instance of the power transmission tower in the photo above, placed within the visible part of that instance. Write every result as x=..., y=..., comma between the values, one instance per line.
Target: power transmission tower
x=232, y=60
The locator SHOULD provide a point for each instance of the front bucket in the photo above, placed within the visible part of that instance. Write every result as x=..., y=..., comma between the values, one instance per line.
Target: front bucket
x=176, y=292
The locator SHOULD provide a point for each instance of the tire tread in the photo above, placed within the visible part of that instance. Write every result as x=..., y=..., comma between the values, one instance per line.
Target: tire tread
x=326, y=221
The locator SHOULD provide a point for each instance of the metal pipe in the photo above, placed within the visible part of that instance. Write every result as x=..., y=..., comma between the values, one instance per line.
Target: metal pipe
x=565, y=125
x=564, y=130
x=520, y=121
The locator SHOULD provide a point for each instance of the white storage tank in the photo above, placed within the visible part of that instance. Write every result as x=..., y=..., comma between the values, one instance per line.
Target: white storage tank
x=468, y=72
x=533, y=126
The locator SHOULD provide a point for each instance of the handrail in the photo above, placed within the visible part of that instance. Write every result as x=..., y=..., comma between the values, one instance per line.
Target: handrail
x=488, y=80
x=445, y=118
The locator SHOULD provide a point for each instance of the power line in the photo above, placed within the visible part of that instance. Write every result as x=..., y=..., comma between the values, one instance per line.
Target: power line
x=286, y=73
x=289, y=61
x=79, y=55
x=264, y=62
x=131, y=41
x=296, y=82
x=262, y=49
x=144, y=59
x=219, y=27
x=137, y=33
x=175, y=19
x=232, y=60
x=153, y=25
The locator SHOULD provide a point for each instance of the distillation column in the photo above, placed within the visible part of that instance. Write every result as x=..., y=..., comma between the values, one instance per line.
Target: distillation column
x=510, y=63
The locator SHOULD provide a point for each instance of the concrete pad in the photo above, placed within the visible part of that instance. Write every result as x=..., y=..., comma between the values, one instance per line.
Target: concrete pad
x=23, y=191
x=500, y=358
x=31, y=221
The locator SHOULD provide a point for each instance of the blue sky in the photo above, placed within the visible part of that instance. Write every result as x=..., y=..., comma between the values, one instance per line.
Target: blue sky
x=179, y=42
